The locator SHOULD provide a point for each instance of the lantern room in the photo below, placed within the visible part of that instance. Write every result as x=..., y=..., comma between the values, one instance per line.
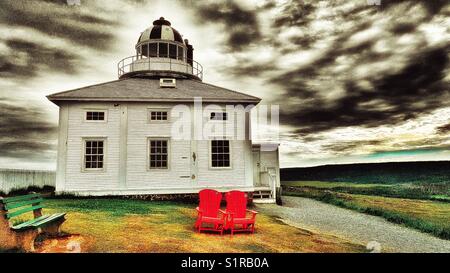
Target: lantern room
x=161, y=51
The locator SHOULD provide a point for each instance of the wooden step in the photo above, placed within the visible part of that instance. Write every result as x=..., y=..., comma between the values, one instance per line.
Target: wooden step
x=261, y=194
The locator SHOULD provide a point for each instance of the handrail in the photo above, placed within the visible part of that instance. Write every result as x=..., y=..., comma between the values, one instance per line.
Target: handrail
x=273, y=181
x=125, y=65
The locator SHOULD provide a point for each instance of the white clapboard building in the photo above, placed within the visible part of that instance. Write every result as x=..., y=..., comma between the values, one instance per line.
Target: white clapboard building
x=140, y=134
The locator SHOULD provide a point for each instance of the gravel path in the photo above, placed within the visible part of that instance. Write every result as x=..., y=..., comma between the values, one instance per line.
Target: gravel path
x=355, y=226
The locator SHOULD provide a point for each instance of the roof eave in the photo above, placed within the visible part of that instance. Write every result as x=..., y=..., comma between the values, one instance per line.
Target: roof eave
x=58, y=99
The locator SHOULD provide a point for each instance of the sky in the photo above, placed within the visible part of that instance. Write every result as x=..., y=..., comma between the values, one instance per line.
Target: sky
x=356, y=82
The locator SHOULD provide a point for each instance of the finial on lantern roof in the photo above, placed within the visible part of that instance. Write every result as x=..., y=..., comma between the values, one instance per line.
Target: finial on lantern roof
x=161, y=21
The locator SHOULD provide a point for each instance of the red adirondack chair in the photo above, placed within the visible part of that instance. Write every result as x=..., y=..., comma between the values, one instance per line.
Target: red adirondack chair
x=209, y=211
x=238, y=212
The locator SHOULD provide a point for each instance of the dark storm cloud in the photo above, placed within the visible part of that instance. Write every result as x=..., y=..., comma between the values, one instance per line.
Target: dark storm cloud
x=248, y=68
x=27, y=150
x=295, y=13
x=422, y=150
x=359, y=66
x=433, y=7
x=29, y=58
x=437, y=141
x=58, y=19
x=417, y=89
x=347, y=147
x=24, y=131
x=395, y=95
x=444, y=129
x=239, y=24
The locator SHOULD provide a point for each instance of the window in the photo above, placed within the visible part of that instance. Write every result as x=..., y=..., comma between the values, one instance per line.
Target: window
x=163, y=50
x=95, y=115
x=153, y=49
x=145, y=50
x=220, y=153
x=180, y=53
x=158, y=115
x=167, y=83
x=94, y=154
x=172, y=51
x=158, y=154
x=218, y=116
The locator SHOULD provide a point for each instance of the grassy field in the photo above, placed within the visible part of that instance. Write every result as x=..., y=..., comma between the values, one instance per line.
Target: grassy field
x=330, y=185
x=118, y=225
x=423, y=191
x=430, y=172
x=425, y=215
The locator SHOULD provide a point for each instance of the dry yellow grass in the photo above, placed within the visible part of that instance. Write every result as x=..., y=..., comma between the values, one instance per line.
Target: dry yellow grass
x=140, y=226
x=436, y=212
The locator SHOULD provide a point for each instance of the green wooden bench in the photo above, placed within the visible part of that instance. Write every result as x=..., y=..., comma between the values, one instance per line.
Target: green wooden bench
x=23, y=235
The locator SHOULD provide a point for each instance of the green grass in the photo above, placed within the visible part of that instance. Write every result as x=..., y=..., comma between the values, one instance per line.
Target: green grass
x=425, y=191
x=115, y=207
x=427, y=216
x=323, y=184
x=381, y=173
x=121, y=225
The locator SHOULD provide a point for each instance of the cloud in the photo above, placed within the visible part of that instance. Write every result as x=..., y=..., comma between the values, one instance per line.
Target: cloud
x=349, y=147
x=444, y=129
x=345, y=64
x=83, y=27
x=409, y=152
x=50, y=36
x=27, y=150
x=417, y=89
x=294, y=13
x=27, y=59
x=244, y=68
x=25, y=131
x=239, y=24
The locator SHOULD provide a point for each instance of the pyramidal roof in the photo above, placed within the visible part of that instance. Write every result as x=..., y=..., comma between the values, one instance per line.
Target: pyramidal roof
x=149, y=90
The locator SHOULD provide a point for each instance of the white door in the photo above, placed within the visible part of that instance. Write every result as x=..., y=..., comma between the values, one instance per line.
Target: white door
x=256, y=169
x=193, y=157
x=182, y=160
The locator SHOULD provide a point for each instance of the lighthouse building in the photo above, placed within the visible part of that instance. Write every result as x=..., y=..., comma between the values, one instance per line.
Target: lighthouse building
x=159, y=129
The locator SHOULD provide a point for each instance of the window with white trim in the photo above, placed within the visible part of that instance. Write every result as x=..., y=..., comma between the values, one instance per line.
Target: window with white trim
x=158, y=115
x=95, y=115
x=159, y=155
x=218, y=116
x=220, y=153
x=94, y=154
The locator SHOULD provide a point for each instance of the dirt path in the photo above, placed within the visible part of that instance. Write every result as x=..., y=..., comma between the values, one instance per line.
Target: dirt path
x=354, y=226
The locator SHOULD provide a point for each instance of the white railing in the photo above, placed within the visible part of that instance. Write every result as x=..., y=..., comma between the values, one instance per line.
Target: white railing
x=11, y=179
x=142, y=63
x=271, y=172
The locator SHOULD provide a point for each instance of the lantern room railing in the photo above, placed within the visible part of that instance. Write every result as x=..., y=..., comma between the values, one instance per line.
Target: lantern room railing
x=142, y=63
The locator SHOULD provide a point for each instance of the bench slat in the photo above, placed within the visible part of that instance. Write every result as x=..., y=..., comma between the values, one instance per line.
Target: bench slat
x=14, y=205
x=29, y=222
x=49, y=219
x=22, y=211
x=19, y=198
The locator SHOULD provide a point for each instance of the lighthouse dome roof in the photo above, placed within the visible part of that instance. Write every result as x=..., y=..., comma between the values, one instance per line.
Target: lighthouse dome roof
x=161, y=30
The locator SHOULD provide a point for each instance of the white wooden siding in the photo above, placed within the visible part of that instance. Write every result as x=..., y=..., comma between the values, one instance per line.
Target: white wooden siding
x=213, y=177
x=76, y=177
x=131, y=120
x=140, y=129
